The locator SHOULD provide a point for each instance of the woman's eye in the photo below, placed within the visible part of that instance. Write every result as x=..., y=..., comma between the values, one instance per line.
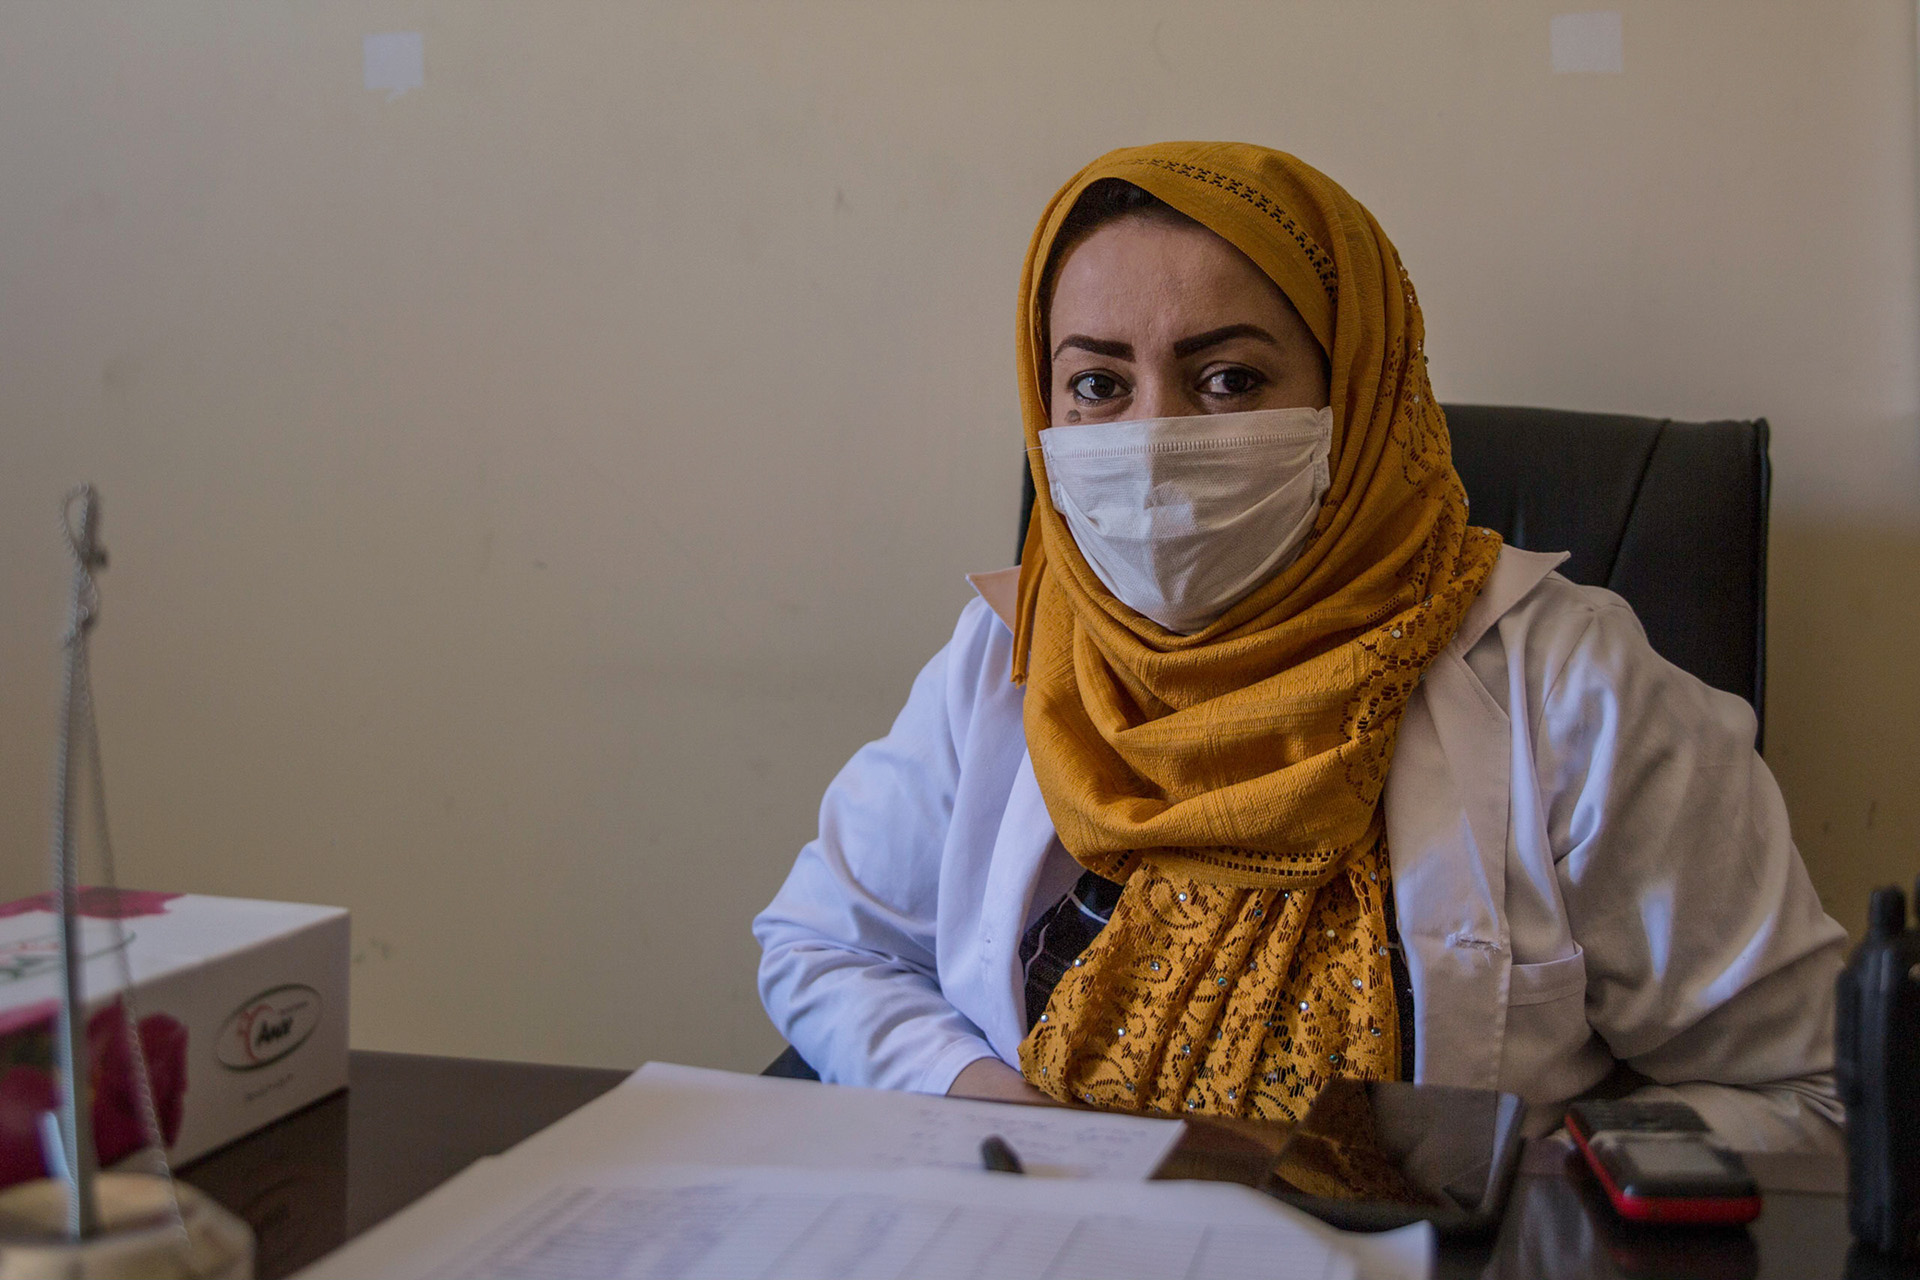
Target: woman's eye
x=1094, y=387
x=1236, y=381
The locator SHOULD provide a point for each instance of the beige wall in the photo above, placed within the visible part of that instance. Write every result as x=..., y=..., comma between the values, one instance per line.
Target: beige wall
x=525, y=493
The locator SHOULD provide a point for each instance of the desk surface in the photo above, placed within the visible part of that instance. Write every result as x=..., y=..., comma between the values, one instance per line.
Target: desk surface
x=408, y=1123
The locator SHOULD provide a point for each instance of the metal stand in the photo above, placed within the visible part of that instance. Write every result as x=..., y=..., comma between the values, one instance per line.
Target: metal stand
x=76, y=1095
x=83, y=1223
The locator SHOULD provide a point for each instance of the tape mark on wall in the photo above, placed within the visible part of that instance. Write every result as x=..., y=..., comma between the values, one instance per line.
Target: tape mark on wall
x=1587, y=42
x=395, y=61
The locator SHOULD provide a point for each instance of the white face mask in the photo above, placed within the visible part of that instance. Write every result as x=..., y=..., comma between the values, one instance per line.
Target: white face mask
x=1182, y=518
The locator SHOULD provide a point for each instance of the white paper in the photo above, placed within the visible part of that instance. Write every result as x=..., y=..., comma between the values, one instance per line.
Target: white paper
x=1402, y=1254
x=687, y=1173
x=921, y=1224
x=666, y=1114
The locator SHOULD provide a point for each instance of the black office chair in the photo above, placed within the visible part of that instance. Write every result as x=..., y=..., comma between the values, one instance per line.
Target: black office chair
x=1670, y=515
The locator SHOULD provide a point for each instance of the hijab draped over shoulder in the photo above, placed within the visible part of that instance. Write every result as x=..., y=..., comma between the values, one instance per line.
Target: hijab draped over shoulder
x=1231, y=779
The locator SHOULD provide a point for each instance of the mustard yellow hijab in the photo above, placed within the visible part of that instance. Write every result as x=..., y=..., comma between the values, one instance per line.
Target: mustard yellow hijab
x=1231, y=779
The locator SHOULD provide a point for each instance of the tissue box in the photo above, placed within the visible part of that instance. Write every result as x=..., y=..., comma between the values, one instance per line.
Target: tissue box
x=242, y=1010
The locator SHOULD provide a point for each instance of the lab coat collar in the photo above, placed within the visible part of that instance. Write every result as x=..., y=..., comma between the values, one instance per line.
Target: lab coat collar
x=1514, y=574
x=1001, y=590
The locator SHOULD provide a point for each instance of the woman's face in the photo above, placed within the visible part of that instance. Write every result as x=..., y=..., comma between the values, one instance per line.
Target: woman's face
x=1156, y=319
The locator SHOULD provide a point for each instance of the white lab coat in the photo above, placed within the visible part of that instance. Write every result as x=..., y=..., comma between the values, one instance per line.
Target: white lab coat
x=1591, y=865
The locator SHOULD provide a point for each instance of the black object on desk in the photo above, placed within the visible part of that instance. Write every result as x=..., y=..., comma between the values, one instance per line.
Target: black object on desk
x=997, y=1157
x=1877, y=1068
x=1370, y=1155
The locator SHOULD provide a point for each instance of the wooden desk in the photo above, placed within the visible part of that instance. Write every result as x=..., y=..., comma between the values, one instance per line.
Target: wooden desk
x=405, y=1124
x=408, y=1123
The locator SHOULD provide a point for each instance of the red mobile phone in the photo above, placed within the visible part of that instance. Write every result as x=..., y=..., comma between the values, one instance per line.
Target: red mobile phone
x=1659, y=1162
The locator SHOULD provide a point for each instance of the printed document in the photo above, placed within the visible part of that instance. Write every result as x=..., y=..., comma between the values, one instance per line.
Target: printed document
x=666, y=1114
x=686, y=1173
x=922, y=1224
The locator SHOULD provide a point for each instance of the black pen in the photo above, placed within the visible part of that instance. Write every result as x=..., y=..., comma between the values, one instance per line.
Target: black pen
x=997, y=1156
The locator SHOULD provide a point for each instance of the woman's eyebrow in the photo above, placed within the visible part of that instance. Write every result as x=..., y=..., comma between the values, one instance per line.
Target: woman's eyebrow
x=1099, y=347
x=1213, y=337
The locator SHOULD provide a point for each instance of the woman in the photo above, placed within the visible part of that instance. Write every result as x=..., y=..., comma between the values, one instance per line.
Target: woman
x=1264, y=766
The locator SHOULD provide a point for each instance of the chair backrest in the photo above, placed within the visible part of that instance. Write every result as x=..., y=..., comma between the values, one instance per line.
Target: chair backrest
x=1670, y=515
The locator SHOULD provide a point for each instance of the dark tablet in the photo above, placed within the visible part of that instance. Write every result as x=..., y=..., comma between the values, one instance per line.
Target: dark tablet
x=1373, y=1155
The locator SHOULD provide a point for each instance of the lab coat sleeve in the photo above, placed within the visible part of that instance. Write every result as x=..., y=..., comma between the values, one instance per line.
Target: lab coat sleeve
x=1710, y=963
x=847, y=967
